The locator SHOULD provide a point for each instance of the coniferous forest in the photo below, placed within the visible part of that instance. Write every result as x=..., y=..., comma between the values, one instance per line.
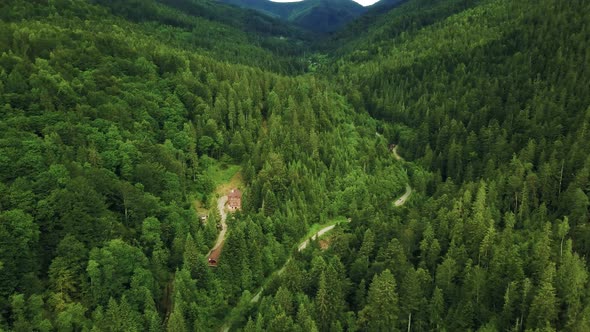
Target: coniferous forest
x=442, y=147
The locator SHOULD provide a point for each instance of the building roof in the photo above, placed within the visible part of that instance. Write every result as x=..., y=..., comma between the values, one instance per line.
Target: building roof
x=234, y=193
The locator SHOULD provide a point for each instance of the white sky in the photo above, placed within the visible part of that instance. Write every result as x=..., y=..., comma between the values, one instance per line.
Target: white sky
x=362, y=2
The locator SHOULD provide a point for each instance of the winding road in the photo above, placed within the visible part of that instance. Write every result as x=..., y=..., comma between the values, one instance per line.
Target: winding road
x=402, y=200
x=300, y=247
x=399, y=202
x=321, y=232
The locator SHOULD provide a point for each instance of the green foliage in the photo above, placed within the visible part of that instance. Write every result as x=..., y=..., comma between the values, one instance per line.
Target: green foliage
x=498, y=160
x=114, y=115
x=20, y=236
x=382, y=294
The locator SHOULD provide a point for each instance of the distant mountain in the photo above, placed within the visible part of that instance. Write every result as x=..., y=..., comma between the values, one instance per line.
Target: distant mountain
x=315, y=15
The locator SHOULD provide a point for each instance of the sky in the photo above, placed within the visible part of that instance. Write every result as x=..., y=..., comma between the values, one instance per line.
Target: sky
x=362, y=2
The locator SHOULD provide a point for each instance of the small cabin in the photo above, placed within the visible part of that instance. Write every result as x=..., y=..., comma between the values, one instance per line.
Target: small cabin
x=234, y=200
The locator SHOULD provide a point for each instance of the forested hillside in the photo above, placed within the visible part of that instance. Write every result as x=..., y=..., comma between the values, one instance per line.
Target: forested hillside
x=210, y=28
x=116, y=119
x=491, y=98
x=108, y=129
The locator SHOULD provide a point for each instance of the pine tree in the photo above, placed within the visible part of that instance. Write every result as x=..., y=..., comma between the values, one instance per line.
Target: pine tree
x=176, y=321
x=381, y=311
x=323, y=305
x=543, y=312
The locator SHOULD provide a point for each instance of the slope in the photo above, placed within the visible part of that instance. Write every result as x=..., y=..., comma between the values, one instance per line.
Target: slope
x=490, y=103
x=228, y=33
x=384, y=21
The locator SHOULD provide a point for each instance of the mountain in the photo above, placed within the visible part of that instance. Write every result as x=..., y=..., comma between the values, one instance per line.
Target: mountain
x=315, y=15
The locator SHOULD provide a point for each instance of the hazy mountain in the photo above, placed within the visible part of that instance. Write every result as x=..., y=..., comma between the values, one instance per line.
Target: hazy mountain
x=314, y=15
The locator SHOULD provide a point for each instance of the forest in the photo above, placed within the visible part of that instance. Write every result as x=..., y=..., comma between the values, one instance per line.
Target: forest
x=443, y=143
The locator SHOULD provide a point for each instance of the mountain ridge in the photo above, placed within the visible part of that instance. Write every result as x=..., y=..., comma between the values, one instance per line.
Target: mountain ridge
x=316, y=15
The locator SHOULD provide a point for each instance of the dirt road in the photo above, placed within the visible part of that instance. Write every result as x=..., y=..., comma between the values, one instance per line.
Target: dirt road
x=402, y=200
x=221, y=237
x=300, y=247
x=321, y=232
